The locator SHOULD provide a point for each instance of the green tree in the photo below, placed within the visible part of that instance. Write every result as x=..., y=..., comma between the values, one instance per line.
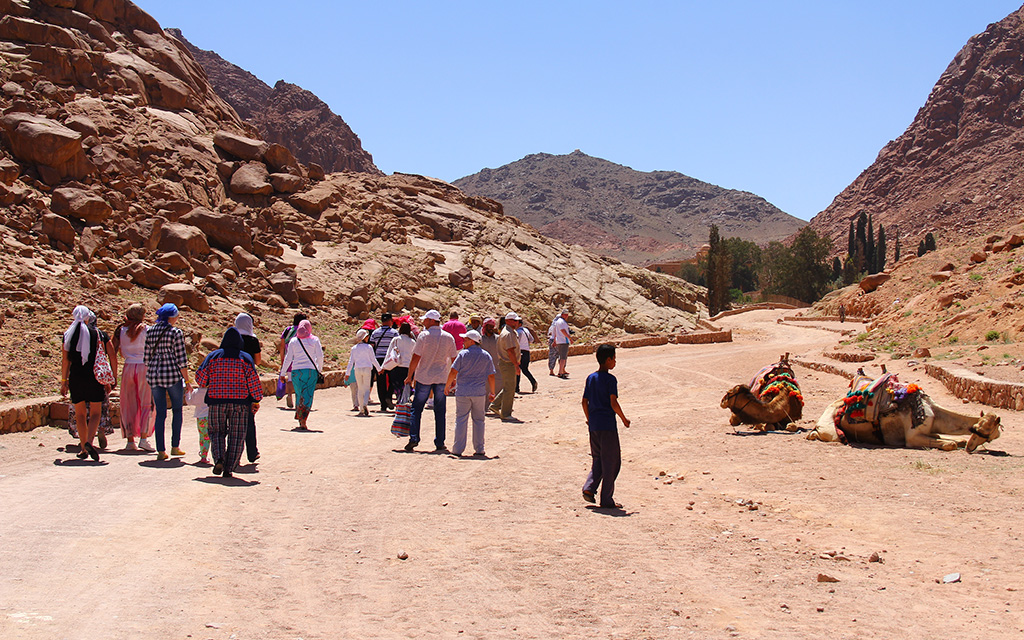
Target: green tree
x=851, y=242
x=929, y=242
x=880, y=250
x=801, y=270
x=861, y=244
x=837, y=268
x=870, y=251
x=745, y=257
x=719, y=272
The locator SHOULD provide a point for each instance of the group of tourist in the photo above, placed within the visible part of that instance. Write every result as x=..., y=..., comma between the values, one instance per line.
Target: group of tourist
x=480, y=364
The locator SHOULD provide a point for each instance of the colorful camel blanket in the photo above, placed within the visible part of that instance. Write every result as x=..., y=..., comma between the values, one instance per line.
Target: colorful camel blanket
x=774, y=379
x=869, y=399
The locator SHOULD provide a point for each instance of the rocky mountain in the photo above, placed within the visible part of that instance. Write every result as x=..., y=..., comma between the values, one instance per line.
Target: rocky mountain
x=286, y=114
x=617, y=211
x=958, y=168
x=124, y=177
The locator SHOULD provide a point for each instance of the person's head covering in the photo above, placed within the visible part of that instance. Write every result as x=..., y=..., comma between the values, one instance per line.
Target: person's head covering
x=361, y=335
x=370, y=324
x=472, y=335
x=166, y=312
x=475, y=316
x=81, y=320
x=512, y=315
x=490, y=321
x=431, y=315
x=243, y=322
x=565, y=312
x=231, y=343
x=92, y=319
x=305, y=329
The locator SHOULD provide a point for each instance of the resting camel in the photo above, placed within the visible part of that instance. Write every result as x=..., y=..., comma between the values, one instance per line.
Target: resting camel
x=896, y=429
x=780, y=412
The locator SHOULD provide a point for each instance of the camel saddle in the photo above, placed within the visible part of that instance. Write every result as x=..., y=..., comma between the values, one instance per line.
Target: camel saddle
x=769, y=374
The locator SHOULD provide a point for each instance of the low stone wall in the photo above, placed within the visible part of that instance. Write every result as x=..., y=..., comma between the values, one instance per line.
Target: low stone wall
x=591, y=347
x=26, y=415
x=843, y=356
x=824, y=367
x=822, y=319
x=970, y=386
x=705, y=337
x=844, y=332
x=761, y=306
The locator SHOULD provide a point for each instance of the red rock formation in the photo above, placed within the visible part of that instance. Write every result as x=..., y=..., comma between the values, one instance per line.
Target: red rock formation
x=287, y=114
x=957, y=169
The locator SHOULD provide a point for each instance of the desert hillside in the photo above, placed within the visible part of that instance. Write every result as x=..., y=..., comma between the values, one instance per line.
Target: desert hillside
x=957, y=169
x=125, y=177
x=286, y=114
x=635, y=216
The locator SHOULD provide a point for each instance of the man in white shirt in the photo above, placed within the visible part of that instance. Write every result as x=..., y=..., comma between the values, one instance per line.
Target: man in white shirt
x=558, y=344
x=431, y=359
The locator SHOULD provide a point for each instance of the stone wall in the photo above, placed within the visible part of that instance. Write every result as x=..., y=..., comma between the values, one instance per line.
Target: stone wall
x=708, y=337
x=970, y=386
x=761, y=306
x=844, y=356
x=823, y=367
x=822, y=319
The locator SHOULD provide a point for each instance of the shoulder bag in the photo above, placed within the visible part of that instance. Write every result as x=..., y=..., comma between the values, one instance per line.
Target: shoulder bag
x=319, y=376
x=101, y=365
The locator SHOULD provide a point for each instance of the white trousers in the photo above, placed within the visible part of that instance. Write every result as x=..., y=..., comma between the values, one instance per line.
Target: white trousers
x=363, y=375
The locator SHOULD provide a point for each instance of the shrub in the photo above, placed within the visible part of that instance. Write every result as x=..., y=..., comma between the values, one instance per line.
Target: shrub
x=954, y=340
x=992, y=336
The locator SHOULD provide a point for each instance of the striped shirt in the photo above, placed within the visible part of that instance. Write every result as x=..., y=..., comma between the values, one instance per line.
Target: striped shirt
x=164, y=355
x=381, y=339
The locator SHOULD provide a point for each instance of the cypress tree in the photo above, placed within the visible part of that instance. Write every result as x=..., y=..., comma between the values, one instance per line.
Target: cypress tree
x=719, y=272
x=929, y=242
x=880, y=250
x=861, y=244
x=851, y=244
x=870, y=253
x=837, y=268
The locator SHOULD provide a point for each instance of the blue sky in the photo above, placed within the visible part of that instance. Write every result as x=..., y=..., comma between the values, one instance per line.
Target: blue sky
x=790, y=100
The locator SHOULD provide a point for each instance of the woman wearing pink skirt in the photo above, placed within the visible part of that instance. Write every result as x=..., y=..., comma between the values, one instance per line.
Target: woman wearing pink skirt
x=137, y=415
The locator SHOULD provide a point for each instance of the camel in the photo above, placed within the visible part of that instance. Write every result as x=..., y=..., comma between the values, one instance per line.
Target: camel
x=896, y=429
x=780, y=412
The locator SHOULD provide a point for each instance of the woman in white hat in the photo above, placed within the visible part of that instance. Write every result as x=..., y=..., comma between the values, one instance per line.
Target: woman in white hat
x=362, y=361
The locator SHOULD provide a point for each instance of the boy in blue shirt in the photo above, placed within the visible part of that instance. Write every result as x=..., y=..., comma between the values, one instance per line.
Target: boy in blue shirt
x=600, y=406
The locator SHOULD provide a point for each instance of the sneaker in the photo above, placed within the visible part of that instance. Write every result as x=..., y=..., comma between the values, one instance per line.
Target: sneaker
x=227, y=474
x=441, y=449
x=131, y=446
x=145, y=445
x=175, y=451
x=479, y=454
x=589, y=496
x=162, y=455
x=410, y=445
x=203, y=461
x=218, y=469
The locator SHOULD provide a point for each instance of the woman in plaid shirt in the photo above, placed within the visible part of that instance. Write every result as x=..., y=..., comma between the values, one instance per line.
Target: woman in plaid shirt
x=233, y=393
x=166, y=368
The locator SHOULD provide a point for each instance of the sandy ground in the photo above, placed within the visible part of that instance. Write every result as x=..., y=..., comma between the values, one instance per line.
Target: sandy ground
x=305, y=544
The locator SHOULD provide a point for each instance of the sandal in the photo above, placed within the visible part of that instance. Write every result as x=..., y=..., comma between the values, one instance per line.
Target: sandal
x=563, y=376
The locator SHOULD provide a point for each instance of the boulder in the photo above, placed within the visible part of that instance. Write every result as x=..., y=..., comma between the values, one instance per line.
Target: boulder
x=46, y=142
x=314, y=201
x=356, y=306
x=144, y=233
x=1014, y=241
x=263, y=249
x=275, y=300
x=92, y=240
x=308, y=250
x=83, y=125
x=461, y=278
x=949, y=266
x=240, y=146
x=59, y=229
x=222, y=230
x=244, y=260
x=945, y=300
x=219, y=283
x=173, y=261
x=9, y=171
x=253, y=179
x=315, y=172
x=286, y=182
x=81, y=204
x=872, y=282
x=312, y=297
x=978, y=257
x=185, y=239
x=284, y=284
x=940, y=276
x=184, y=294
x=275, y=264
x=281, y=160
x=147, y=275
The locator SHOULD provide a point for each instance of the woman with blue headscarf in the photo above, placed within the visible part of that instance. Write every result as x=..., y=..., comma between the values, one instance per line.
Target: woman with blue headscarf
x=78, y=358
x=166, y=368
x=233, y=393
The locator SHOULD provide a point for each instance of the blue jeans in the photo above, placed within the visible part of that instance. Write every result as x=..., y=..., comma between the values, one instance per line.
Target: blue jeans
x=419, y=400
x=177, y=393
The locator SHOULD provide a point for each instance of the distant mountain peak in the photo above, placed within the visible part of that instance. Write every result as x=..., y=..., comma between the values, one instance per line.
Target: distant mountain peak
x=632, y=215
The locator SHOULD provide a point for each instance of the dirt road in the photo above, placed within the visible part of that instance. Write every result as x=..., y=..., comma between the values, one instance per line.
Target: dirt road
x=305, y=544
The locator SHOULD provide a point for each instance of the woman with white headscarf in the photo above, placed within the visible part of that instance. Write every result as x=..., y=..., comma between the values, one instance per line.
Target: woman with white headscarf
x=362, y=362
x=78, y=357
x=250, y=345
x=305, y=357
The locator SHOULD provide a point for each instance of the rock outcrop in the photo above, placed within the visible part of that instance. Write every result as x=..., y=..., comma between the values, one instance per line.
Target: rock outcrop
x=286, y=114
x=955, y=171
x=635, y=216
